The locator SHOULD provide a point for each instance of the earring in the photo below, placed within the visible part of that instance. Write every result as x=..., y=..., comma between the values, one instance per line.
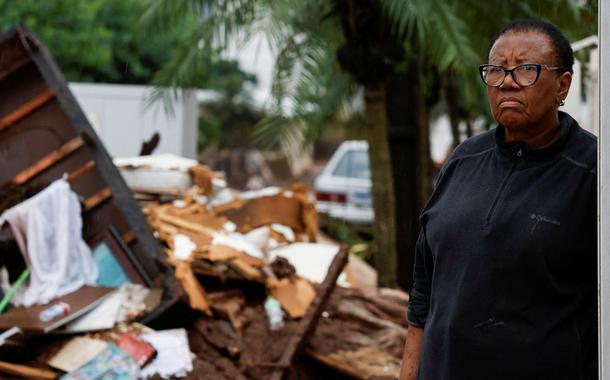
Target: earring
x=562, y=103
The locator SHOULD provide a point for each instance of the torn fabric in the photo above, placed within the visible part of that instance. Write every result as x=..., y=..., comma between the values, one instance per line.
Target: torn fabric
x=48, y=230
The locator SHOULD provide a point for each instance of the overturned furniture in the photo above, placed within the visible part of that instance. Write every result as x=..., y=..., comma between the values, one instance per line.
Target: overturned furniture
x=45, y=136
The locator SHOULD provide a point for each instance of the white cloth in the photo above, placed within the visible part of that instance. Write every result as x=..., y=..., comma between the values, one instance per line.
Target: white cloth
x=48, y=230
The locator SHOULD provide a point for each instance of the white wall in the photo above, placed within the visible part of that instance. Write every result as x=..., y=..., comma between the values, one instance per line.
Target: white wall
x=255, y=57
x=583, y=99
x=119, y=115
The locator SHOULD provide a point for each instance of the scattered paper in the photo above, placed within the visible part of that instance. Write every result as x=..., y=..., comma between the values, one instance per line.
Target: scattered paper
x=102, y=317
x=173, y=354
x=133, y=304
x=76, y=353
x=285, y=231
x=112, y=363
x=311, y=260
x=239, y=242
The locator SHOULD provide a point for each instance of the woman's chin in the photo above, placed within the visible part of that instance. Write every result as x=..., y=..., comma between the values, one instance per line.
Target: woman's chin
x=512, y=121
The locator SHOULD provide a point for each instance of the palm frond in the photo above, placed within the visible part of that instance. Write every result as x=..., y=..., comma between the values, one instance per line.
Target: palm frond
x=408, y=17
x=186, y=69
x=451, y=39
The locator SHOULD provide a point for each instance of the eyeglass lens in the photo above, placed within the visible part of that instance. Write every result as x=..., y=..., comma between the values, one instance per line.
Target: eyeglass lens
x=524, y=75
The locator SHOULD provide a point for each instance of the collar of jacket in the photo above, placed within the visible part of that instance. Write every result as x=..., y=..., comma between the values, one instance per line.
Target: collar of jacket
x=520, y=148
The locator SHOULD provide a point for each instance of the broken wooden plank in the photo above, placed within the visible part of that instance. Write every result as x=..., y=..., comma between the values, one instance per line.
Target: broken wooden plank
x=310, y=320
x=129, y=237
x=245, y=269
x=15, y=65
x=96, y=199
x=263, y=211
x=27, y=372
x=192, y=287
x=26, y=109
x=203, y=176
x=81, y=171
x=179, y=222
x=47, y=161
x=294, y=294
x=228, y=304
x=219, y=271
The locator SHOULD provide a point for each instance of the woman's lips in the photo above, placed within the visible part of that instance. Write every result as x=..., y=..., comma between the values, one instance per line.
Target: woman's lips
x=509, y=103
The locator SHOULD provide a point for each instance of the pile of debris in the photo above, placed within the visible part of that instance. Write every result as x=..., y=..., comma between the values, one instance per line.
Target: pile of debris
x=78, y=256
x=94, y=280
x=235, y=253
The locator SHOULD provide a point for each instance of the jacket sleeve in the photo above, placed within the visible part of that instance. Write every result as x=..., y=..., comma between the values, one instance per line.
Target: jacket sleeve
x=419, y=301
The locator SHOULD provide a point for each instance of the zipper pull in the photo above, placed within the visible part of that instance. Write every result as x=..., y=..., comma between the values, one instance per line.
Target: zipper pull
x=519, y=153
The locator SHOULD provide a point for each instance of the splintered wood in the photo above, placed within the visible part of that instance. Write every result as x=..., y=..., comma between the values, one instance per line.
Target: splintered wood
x=295, y=294
x=291, y=207
x=218, y=239
x=203, y=178
x=359, y=333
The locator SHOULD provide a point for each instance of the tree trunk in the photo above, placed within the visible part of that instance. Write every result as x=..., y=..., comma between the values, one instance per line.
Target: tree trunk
x=376, y=132
x=424, y=161
x=402, y=122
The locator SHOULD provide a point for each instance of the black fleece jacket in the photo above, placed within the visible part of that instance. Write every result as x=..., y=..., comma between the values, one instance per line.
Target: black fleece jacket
x=506, y=265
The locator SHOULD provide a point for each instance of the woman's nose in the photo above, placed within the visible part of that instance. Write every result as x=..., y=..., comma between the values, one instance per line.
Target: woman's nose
x=509, y=82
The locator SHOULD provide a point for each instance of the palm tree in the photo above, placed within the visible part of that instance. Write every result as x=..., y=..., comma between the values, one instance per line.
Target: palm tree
x=402, y=55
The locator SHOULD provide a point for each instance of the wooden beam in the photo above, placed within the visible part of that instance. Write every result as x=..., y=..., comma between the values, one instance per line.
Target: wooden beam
x=47, y=161
x=96, y=199
x=27, y=372
x=26, y=109
x=310, y=320
x=80, y=171
x=129, y=237
x=16, y=65
x=179, y=222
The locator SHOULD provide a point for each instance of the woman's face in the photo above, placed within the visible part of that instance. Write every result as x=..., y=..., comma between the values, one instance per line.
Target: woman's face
x=525, y=108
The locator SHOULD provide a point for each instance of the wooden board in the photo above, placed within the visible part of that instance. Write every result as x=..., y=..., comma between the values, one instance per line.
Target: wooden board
x=80, y=301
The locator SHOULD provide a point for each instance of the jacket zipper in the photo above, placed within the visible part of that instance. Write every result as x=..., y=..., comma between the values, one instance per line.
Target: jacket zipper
x=500, y=192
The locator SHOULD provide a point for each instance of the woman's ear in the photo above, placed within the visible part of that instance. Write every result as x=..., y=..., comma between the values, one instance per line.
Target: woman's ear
x=564, y=86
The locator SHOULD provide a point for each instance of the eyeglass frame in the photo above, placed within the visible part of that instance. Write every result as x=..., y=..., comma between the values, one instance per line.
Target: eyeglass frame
x=511, y=72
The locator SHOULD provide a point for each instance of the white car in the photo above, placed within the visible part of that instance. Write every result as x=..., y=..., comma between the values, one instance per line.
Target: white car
x=343, y=190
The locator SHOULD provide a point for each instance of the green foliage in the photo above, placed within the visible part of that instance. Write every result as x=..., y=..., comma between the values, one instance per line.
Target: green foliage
x=228, y=120
x=346, y=233
x=227, y=124
x=327, y=48
x=93, y=40
x=309, y=86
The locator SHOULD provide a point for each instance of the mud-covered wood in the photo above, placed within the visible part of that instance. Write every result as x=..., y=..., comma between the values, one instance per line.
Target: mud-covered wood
x=310, y=320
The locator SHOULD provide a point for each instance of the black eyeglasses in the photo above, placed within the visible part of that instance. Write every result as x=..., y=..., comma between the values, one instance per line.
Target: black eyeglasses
x=524, y=75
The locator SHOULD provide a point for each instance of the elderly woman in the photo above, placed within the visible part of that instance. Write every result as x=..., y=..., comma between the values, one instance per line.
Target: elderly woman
x=505, y=272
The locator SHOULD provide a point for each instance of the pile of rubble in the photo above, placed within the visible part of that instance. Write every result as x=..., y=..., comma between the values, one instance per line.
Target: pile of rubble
x=194, y=280
x=231, y=251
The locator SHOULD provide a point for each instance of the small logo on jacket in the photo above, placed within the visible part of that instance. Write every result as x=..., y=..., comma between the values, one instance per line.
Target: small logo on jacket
x=541, y=218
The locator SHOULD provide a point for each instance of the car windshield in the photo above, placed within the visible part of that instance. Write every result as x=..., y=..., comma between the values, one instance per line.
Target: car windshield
x=354, y=164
